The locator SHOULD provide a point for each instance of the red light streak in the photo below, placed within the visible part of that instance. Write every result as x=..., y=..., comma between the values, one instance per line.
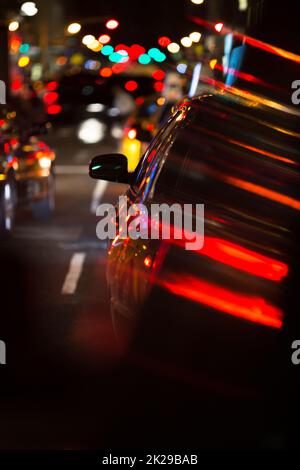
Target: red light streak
x=264, y=46
x=247, y=77
x=264, y=192
x=244, y=259
x=250, y=308
x=233, y=255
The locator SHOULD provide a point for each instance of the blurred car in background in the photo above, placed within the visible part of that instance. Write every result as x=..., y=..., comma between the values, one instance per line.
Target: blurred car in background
x=26, y=172
x=7, y=189
x=149, y=115
x=218, y=311
x=104, y=98
x=141, y=126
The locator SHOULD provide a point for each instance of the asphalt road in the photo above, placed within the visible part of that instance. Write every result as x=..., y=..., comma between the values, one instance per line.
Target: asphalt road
x=55, y=315
x=63, y=386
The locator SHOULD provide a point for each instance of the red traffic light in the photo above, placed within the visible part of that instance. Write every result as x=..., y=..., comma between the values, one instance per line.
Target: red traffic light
x=158, y=74
x=131, y=85
x=164, y=41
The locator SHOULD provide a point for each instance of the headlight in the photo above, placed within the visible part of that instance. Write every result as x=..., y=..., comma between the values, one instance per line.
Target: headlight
x=95, y=108
x=45, y=163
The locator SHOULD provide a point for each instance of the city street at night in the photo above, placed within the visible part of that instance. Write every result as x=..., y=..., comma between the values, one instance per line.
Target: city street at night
x=149, y=231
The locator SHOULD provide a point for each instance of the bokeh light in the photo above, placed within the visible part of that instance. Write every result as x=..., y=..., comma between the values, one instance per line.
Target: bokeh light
x=164, y=41
x=104, y=39
x=144, y=59
x=106, y=72
x=23, y=61
x=51, y=86
x=181, y=68
x=158, y=86
x=186, y=41
x=74, y=28
x=140, y=100
x=88, y=39
x=131, y=85
x=29, y=9
x=107, y=50
x=13, y=26
x=54, y=109
x=161, y=101
x=195, y=36
x=159, y=74
x=219, y=27
x=50, y=98
x=136, y=51
x=24, y=48
x=112, y=24
x=174, y=48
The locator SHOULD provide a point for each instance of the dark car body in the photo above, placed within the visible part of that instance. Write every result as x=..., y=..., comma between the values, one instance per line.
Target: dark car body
x=219, y=317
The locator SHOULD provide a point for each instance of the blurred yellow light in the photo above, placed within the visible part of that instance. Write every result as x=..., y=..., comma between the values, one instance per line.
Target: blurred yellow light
x=93, y=45
x=13, y=26
x=77, y=59
x=213, y=63
x=161, y=101
x=195, y=36
x=23, y=61
x=132, y=149
x=173, y=48
x=186, y=41
x=197, y=2
x=88, y=39
x=96, y=47
x=74, y=28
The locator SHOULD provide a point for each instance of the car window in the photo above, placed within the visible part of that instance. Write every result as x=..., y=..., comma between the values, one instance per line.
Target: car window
x=172, y=157
x=152, y=155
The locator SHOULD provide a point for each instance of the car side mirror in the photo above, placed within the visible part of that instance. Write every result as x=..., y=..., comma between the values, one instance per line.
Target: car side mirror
x=111, y=167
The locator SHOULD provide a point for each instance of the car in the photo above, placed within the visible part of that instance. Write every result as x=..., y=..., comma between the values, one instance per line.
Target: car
x=141, y=126
x=26, y=172
x=7, y=190
x=216, y=314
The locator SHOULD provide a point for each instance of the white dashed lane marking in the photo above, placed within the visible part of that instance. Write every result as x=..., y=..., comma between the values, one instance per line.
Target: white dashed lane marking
x=74, y=273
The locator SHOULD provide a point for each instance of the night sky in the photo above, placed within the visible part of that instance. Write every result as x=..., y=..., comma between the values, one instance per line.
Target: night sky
x=140, y=20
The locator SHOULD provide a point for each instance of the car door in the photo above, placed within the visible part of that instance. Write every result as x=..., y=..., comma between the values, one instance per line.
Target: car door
x=132, y=263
